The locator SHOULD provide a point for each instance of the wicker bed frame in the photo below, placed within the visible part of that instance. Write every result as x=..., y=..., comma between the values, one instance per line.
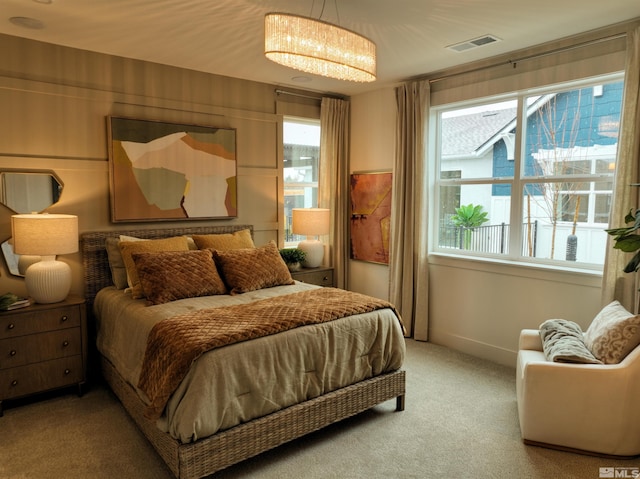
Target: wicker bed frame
x=213, y=453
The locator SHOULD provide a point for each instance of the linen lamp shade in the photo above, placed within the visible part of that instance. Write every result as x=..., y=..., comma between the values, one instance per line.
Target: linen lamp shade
x=311, y=222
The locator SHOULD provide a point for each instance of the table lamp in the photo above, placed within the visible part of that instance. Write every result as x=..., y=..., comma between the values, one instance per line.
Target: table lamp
x=311, y=222
x=46, y=235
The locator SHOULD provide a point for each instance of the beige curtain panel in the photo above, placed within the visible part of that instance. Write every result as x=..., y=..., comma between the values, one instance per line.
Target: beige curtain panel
x=333, y=181
x=408, y=275
x=615, y=283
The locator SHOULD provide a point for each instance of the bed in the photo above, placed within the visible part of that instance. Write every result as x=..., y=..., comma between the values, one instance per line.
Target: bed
x=198, y=453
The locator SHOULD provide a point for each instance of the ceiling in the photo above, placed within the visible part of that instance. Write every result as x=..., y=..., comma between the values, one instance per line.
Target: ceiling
x=225, y=37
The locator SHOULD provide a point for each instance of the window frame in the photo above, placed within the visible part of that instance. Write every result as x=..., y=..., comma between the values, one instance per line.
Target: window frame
x=290, y=240
x=516, y=182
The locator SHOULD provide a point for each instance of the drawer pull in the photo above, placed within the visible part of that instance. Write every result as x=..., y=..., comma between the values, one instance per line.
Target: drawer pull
x=14, y=382
x=64, y=318
x=65, y=343
x=67, y=371
x=326, y=278
x=13, y=352
x=11, y=326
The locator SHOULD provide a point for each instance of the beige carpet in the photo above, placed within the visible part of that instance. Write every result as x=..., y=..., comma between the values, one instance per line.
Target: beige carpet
x=460, y=422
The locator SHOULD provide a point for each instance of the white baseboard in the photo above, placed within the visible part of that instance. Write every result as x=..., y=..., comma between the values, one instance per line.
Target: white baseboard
x=473, y=347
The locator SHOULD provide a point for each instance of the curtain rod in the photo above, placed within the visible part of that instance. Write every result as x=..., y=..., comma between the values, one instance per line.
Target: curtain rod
x=532, y=57
x=302, y=95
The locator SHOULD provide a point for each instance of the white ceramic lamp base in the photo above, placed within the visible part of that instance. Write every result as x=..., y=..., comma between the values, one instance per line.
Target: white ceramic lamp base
x=48, y=281
x=26, y=260
x=314, y=250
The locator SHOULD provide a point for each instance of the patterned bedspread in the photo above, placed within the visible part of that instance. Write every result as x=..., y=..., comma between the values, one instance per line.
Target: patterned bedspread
x=175, y=343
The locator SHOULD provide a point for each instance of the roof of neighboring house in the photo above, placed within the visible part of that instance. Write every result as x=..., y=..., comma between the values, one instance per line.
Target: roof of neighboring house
x=466, y=134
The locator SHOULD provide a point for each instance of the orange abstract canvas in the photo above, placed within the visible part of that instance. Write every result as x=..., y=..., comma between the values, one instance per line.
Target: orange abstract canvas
x=370, y=216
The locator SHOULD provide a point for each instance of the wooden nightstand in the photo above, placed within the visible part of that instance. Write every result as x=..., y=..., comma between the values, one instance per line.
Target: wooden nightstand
x=321, y=276
x=43, y=347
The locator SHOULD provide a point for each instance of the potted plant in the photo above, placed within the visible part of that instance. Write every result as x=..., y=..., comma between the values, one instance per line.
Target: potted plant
x=468, y=217
x=627, y=239
x=293, y=257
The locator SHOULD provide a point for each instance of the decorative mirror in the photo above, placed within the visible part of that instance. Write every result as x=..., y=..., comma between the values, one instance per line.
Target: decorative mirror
x=26, y=191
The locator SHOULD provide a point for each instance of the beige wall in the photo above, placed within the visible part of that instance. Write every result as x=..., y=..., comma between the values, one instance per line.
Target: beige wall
x=373, y=123
x=480, y=308
x=54, y=104
x=475, y=307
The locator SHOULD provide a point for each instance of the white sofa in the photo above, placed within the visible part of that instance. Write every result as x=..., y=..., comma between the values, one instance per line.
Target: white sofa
x=588, y=408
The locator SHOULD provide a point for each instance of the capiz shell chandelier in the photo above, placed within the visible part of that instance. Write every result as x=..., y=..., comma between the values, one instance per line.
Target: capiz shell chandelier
x=318, y=47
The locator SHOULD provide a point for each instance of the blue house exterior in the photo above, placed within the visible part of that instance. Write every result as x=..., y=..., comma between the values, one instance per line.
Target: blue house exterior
x=598, y=124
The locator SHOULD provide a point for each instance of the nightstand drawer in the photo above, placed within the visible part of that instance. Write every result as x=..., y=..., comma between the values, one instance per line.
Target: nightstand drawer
x=42, y=347
x=35, y=348
x=18, y=323
x=24, y=380
x=320, y=277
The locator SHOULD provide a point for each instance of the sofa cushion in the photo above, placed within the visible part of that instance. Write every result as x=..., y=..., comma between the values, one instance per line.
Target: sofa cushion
x=562, y=342
x=613, y=333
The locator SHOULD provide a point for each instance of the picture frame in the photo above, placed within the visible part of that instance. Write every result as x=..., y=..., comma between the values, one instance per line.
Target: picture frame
x=162, y=171
x=370, y=220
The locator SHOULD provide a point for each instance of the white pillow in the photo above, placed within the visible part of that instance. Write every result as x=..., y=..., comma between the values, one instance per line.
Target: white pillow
x=613, y=333
x=116, y=263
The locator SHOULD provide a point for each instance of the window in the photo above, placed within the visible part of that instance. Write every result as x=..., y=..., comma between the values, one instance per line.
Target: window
x=529, y=176
x=301, y=159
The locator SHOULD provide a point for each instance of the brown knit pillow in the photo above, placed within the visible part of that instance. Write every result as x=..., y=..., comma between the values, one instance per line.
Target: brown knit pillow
x=176, y=243
x=249, y=269
x=224, y=242
x=171, y=275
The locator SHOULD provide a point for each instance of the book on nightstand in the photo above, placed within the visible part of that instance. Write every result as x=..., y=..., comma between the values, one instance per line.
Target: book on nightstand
x=10, y=301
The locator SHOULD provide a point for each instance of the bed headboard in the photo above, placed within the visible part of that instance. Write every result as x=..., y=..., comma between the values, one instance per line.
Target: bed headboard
x=97, y=273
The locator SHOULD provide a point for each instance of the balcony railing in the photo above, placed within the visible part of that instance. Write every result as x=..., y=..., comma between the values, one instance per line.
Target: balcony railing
x=486, y=239
x=481, y=239
x=289, y=237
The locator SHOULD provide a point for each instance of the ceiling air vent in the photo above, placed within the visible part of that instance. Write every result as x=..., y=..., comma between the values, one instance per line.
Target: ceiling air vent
x=475, y=43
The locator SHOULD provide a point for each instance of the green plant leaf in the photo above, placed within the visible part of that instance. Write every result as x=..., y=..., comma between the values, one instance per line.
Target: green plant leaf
x=292, y=255
x=627, y=240
x=620, y=231
x=634, y=264
x=628, y=243
x=469, y=216
x=633, y=219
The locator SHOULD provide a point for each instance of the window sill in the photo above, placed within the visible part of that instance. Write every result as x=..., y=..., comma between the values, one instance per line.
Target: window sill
x=545, y=272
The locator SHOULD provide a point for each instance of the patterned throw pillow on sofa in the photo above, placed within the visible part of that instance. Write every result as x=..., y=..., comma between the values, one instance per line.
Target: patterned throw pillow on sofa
x=613, y=333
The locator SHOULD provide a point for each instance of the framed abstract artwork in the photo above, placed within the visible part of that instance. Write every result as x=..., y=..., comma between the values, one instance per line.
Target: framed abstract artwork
x=370, y=196
x=170, y=171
